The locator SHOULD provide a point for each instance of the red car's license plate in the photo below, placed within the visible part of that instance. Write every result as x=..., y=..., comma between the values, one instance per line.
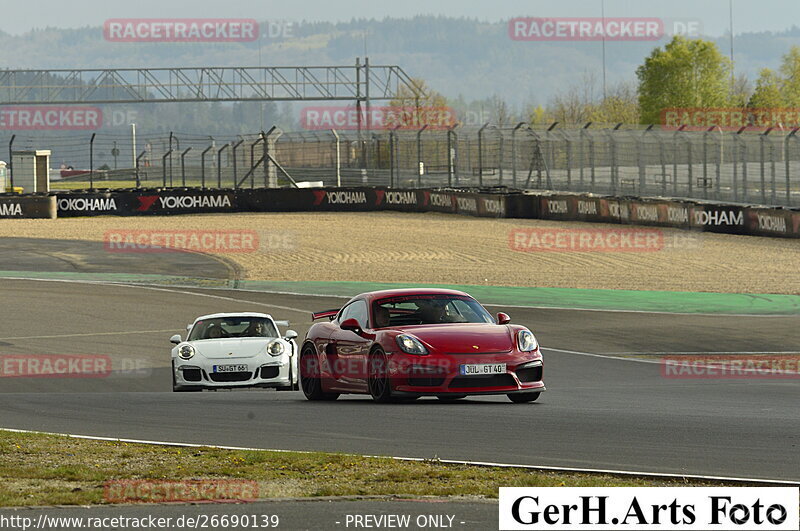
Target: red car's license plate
x=481, y=369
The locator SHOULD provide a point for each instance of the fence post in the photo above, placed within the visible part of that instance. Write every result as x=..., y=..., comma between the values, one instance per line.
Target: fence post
x=763, y=139
x=736, y=149
x=91, y=162
x=164, y=167
x=10, y=163
x=170, y=161
x=514, y=154
x=480, y=154
x=662, y=160
x=675, y=145
x=253, y=160
x=419, y=155
x=501, y=155
x=786, y=140
x=183, y=165
x=642, y=164
x=568, y=151
x=338, y=158
x=705, y=163
x=583, y=134
x=613, y=162
x=720, y=161
x=234, y=147
x=593, y=169
x=392, y=157
x=690, y=168
x=203, y=166
x=452, y=154
x=270, y=175
x=219, y=164
x=772, y=173
x=138, y=179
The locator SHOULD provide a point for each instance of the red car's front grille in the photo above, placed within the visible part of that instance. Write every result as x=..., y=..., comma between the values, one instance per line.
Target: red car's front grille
x=425, y=381
x=494, y=380
x=478, y=352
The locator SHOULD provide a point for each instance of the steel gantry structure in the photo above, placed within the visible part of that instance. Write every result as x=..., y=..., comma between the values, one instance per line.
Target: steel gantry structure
x=359, y=82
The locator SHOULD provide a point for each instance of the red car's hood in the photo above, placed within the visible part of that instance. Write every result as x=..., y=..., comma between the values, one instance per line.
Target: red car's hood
x=464, y=338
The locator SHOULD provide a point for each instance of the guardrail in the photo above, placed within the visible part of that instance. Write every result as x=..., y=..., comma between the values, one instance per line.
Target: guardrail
x=497, y=203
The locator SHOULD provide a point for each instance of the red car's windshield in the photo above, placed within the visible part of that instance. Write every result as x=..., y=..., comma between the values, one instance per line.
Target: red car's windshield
x=409, y=310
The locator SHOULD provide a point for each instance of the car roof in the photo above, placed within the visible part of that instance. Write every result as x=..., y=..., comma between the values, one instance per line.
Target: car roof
x=233, y=314
x=373, y=295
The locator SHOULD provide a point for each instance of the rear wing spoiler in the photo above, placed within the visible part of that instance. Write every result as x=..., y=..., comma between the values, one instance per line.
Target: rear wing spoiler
x=330, y=314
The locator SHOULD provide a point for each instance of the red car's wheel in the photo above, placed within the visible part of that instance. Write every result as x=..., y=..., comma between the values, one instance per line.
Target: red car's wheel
x=310, y=377
x=378, y=377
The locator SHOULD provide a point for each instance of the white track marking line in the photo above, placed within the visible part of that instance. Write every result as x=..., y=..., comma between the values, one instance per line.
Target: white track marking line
x=676, y=353
x=422, y=459
x=89, y=334
x=713, y=366
x=157, y=288
x=604, y=356
x=561, y=308
x=640, y=311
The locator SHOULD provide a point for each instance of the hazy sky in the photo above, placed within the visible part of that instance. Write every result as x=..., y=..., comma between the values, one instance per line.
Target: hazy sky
x=748, y=15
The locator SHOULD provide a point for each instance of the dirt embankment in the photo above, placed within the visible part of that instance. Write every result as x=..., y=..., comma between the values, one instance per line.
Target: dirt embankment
x=441, y=248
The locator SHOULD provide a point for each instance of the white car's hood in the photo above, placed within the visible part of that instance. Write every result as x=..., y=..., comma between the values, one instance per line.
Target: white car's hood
x=245, y=347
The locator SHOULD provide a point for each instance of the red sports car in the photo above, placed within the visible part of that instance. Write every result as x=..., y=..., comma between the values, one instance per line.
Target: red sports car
x=406, y=343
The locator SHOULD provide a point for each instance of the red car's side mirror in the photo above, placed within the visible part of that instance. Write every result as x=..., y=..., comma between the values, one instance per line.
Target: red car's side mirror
x=503, y=318
x=350, y=324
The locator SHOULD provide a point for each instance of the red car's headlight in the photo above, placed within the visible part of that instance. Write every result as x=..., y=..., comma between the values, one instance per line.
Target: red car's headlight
x=411, y=345
x=526, y=341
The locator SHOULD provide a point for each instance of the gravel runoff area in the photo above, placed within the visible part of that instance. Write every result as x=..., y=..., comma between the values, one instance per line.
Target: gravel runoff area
x=442, y=248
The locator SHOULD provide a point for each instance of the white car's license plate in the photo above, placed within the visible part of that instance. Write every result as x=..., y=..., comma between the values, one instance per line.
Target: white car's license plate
x=230, y=368
x=479, y=369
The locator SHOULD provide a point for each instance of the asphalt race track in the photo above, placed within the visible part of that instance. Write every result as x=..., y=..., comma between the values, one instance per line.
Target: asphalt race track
x=600, y=412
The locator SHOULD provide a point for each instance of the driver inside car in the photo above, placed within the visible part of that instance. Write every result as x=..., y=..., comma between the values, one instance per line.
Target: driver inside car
x=432, y=312
x=381, y=316
x=213, y=332
x=256, y=328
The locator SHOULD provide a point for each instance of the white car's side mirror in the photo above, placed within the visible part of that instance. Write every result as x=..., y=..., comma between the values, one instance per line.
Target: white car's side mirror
x=175, y=339
x=290, y=334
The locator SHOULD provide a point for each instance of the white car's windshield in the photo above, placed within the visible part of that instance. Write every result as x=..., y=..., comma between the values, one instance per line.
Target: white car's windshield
x=225, y=327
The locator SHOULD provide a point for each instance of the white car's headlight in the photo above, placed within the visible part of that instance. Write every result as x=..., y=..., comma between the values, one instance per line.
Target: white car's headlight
x=411, y=345
x=186, y=352
x=526, y=341
x=276, y=348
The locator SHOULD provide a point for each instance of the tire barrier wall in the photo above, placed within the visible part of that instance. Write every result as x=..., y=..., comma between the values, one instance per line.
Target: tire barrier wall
x=687, y=214
x=27, y=206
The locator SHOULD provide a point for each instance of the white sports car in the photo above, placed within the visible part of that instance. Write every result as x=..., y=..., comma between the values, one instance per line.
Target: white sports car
x=233, y=350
